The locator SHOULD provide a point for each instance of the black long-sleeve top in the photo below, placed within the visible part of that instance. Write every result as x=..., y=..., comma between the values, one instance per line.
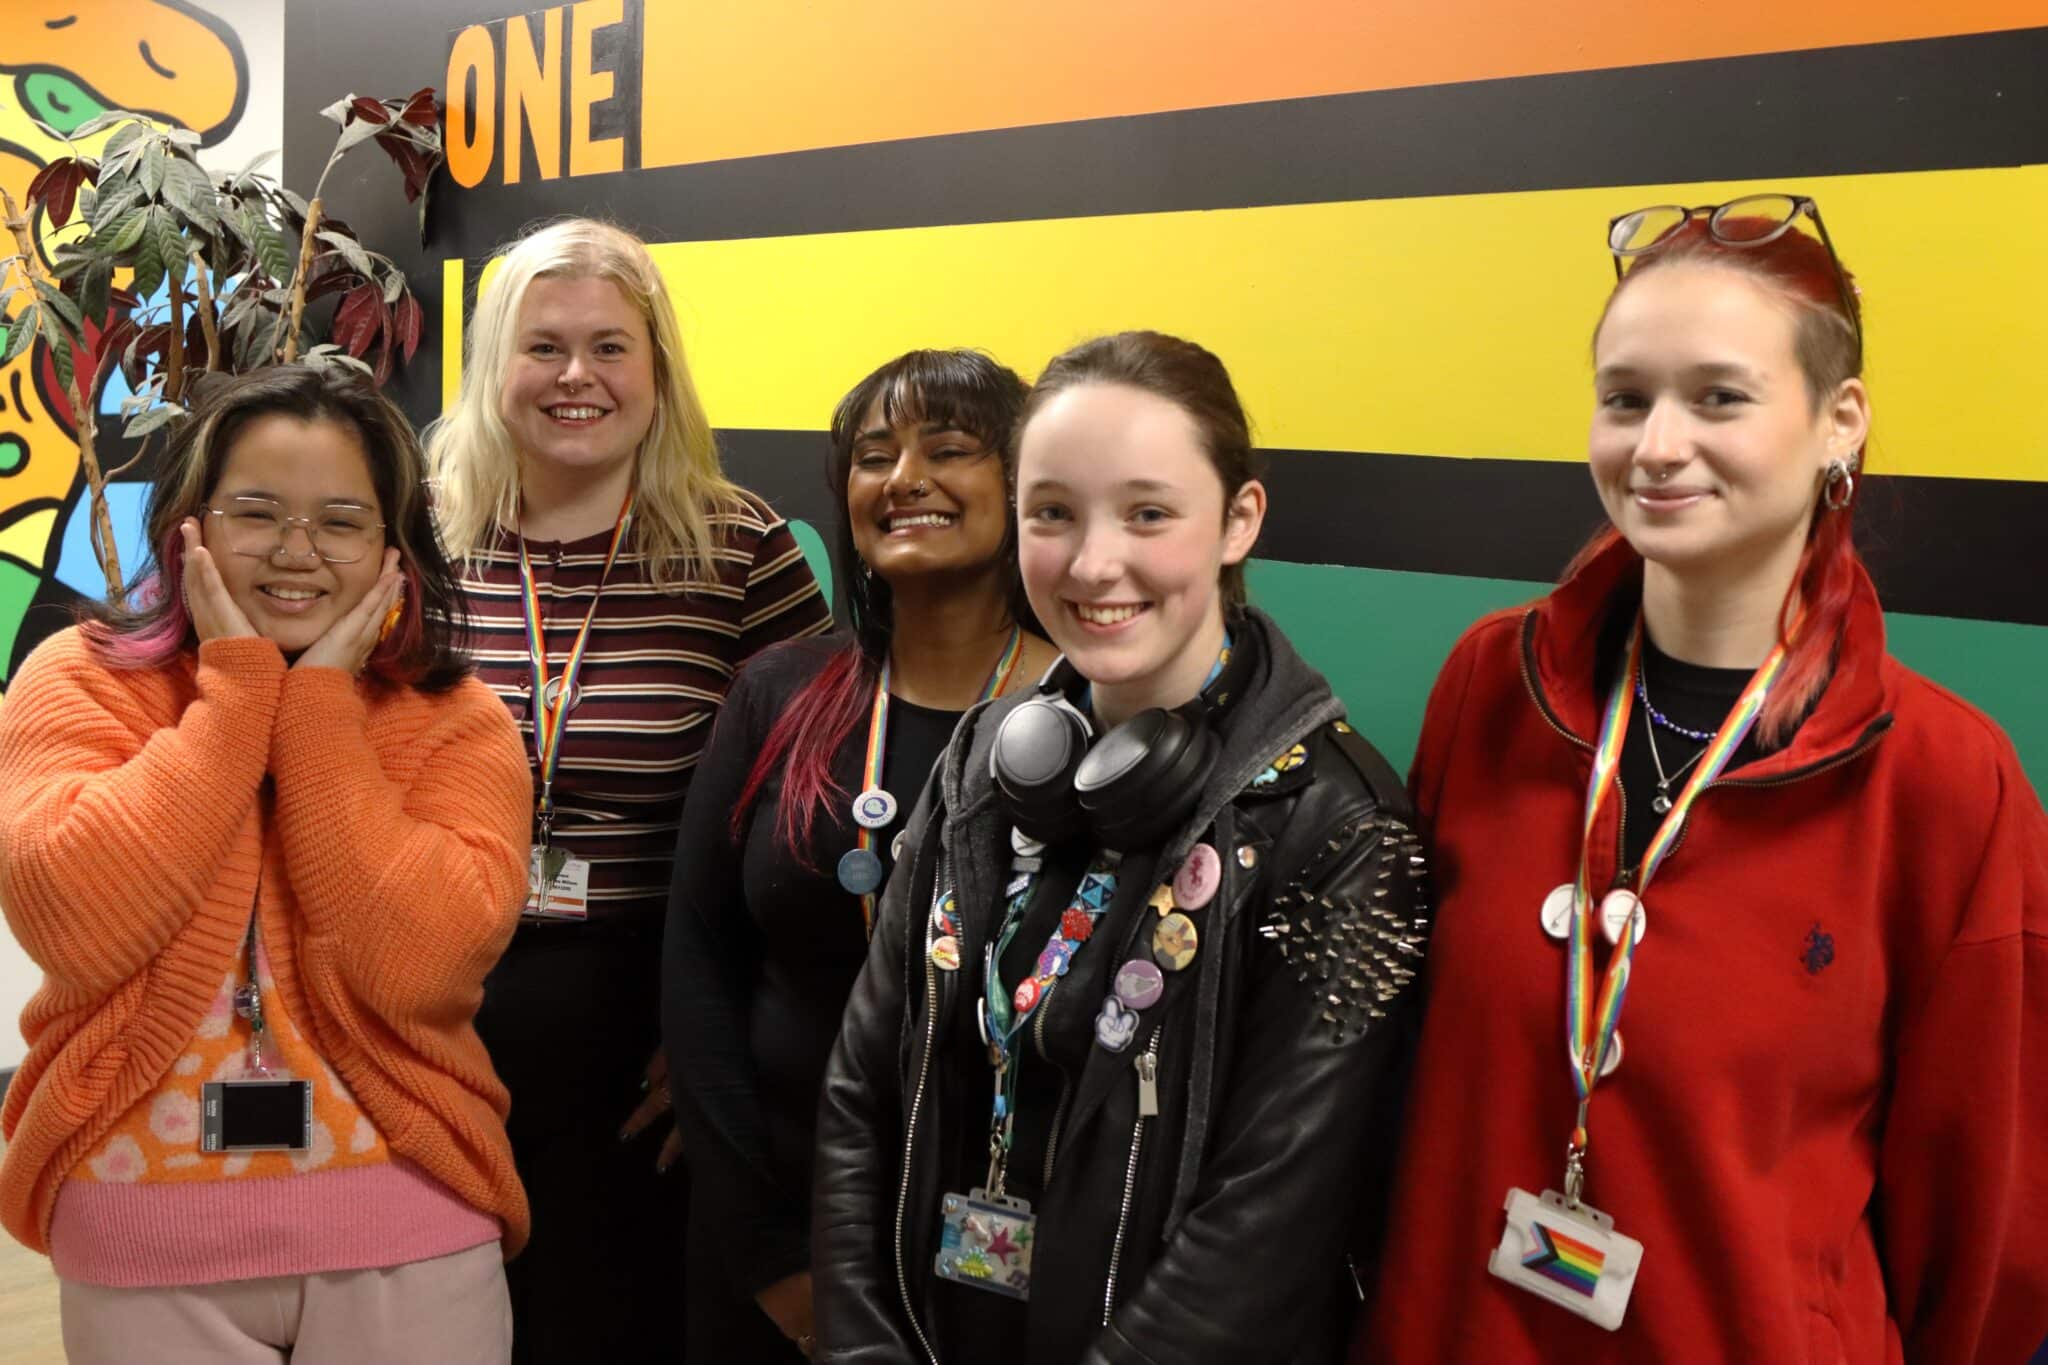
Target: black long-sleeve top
x=761, y=951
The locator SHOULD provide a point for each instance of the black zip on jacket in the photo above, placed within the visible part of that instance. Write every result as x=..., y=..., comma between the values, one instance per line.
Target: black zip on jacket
x=1220, y=1229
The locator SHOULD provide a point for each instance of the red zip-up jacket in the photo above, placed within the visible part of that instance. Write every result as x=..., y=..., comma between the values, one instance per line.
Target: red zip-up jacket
x=1829, y=1129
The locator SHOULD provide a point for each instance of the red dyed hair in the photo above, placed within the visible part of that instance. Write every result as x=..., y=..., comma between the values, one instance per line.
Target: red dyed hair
x=801, y=744
x=1827, y=343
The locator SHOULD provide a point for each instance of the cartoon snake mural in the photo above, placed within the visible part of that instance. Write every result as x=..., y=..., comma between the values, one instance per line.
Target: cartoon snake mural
x=64, y=62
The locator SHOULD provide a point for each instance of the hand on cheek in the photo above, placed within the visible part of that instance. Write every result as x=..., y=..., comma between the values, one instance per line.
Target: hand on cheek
x=213, y=611
x=348, y=643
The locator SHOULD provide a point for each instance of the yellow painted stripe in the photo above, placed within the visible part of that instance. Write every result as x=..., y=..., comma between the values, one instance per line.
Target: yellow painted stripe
x=1454, y=326
x=29, y=538
x=451, y=330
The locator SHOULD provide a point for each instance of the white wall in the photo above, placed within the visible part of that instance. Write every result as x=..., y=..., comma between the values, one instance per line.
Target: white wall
x=260, y=23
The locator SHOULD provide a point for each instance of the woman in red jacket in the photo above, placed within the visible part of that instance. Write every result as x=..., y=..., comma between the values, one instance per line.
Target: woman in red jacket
x=1689, y=798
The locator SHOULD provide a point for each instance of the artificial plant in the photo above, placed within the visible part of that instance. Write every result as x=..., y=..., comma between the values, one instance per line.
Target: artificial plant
x=173, y=272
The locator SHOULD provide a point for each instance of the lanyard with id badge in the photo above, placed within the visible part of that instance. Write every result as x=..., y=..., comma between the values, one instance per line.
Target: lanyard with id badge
x=557, y=885
x=986, y=1237
x=1557, y=1246
x=266, y=1109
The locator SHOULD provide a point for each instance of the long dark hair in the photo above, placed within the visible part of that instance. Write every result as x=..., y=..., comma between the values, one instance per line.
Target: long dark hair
x=965, y=391
x=424, y=650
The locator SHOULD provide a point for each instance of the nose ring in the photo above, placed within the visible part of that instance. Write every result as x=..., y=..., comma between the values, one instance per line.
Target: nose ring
x=920, y=488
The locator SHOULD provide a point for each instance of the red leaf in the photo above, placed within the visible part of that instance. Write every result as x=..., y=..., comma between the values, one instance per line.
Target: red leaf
x=382, y=373
x=421, y=111
x=333, y=281
x=413, y=164
x=56, y=186
x=407, y=321
x=369, y=110
x=357, y=321
x=111, y=342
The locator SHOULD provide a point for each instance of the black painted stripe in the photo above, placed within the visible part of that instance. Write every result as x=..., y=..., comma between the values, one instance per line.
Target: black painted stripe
x=1932, y=104
x=1942, y=547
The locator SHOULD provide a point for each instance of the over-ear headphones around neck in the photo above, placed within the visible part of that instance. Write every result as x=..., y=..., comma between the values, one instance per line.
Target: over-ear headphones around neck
x=1129, y=789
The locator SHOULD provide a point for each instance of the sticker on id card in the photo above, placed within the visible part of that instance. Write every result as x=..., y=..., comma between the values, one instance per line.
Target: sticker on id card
x=568, y=894
x=1571, y=1256
x=985, y=1241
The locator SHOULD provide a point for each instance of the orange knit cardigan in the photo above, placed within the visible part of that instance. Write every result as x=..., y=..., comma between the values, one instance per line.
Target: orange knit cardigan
x=136, y=811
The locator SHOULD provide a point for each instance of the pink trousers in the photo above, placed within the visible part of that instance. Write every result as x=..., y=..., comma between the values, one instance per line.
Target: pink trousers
x=451, y=1310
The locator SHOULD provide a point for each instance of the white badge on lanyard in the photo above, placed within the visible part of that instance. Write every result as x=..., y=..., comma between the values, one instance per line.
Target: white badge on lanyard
x=1557, y=1246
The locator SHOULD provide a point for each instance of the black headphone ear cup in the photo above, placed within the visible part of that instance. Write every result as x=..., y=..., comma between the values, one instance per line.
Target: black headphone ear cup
x=1143, y=779
x=1036, y=752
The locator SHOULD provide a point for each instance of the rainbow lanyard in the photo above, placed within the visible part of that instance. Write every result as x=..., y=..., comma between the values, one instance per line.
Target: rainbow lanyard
x=1590, y=1027
x=551, y=713
x=878, y=739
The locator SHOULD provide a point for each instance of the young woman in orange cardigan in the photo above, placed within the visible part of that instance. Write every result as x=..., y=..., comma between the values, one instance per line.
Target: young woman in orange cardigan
x=264, y=836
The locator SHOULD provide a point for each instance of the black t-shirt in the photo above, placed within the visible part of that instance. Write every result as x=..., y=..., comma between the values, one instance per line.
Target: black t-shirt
x=1686, y=694
x=765, y=946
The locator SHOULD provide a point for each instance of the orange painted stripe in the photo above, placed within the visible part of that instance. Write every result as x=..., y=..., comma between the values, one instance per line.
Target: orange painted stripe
x=770, y=76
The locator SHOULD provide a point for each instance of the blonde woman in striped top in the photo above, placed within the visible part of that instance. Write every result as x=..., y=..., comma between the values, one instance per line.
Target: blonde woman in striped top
x=609, y=563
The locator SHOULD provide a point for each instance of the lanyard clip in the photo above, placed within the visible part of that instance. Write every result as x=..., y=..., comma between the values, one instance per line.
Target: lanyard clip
x=1575, y=1161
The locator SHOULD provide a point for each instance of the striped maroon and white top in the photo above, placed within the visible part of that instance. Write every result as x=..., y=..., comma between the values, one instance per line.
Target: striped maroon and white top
x=653, y=678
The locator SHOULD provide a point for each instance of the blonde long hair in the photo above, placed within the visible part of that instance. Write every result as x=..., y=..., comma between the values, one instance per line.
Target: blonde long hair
x=475, y=463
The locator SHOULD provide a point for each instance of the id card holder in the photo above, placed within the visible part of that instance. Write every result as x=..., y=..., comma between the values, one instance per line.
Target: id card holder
x=1572, y=1257
x=568, y=891
x=985, y=1241
x=256, y=1116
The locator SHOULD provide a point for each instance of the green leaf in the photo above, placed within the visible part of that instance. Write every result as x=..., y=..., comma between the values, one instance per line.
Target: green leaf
x=185, y=137
x=192, y=194
x=254, y=162
x=272, y=251
x=20, y=333
x=114, y=201
x=66, y=309
x=60, y=346
x=69, y=260
x=150, y=170
x=125, y=231
x=149, y=268
x=172, y=246
x=96, y=290
x=352, y=250
x=126, y=134
x=150, y=419
x=101, y=121
x=87, y=197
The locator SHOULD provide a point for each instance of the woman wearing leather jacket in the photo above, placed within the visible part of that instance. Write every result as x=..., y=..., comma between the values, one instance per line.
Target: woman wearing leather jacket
x=1109, y=1085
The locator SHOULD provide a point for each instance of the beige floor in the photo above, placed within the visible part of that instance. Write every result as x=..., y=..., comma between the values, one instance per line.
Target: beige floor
x=28, y=1307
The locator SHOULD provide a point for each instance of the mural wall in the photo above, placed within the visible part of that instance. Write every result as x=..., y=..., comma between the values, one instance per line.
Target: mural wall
x=1386, y=220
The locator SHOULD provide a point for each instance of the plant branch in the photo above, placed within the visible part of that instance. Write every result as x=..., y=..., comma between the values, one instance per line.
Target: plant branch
x=102, y=525
x=206, y=322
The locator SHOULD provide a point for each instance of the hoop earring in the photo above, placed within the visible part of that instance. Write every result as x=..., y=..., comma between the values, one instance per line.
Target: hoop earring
x=1838, y=488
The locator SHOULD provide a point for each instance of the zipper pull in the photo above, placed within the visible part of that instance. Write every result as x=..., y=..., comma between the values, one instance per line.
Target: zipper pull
x=1148, y=1084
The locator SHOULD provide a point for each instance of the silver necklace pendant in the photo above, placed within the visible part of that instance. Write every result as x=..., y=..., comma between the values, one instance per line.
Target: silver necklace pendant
x=1661, y=802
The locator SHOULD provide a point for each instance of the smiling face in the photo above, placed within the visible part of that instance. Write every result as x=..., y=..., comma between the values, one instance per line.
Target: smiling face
x=1707, y=443
x=317, y=470
x=955, y=525
x=1123, y=534
x=579, y=389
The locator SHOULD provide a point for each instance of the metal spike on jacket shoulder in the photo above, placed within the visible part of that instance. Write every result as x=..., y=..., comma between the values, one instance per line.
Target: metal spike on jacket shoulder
x=1356, y=954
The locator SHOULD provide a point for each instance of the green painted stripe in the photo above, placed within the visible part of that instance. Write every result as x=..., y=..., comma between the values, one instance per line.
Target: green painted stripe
x=1380, y=636
x=17, y=590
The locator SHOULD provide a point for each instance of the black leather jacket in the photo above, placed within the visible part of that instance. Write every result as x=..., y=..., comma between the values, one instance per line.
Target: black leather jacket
x=1219, y=1229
